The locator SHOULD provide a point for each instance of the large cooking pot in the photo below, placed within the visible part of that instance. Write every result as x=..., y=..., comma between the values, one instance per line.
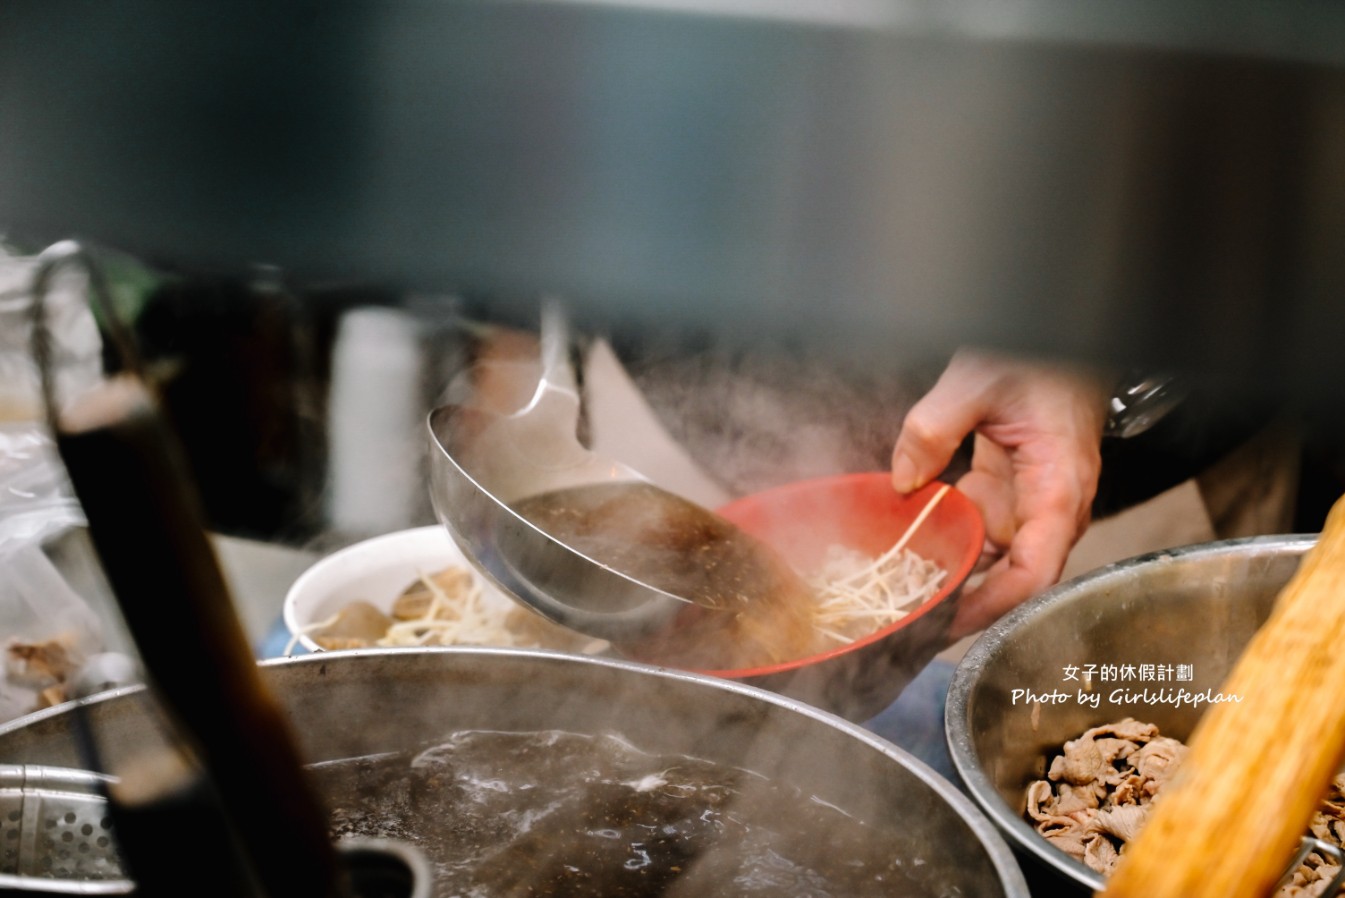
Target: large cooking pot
x=352, y=704
x=1189, y=611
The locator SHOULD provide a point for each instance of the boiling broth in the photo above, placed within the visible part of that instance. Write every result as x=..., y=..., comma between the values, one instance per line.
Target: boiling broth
x=565, y=815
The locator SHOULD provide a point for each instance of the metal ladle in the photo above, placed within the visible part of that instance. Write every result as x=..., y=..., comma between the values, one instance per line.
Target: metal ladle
x=618, y=558
x=483, y=462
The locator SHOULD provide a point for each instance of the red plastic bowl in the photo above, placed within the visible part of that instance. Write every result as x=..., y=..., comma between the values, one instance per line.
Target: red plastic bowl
x=862, y=511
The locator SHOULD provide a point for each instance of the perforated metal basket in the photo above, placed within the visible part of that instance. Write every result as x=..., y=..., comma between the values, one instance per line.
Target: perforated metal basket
x=56, y=839
x=56, y=833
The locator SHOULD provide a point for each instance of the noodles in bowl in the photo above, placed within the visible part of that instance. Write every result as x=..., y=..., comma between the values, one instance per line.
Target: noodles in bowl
x=882, y=570
x=409, y=589
x=888, y=569
x=857, y=594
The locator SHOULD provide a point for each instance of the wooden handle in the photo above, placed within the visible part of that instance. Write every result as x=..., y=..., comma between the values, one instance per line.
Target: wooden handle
x=146, y=524
x=1228, y=824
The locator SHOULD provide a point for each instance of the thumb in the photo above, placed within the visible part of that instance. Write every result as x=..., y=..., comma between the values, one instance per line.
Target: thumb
x=922, y=451
x=932, y=432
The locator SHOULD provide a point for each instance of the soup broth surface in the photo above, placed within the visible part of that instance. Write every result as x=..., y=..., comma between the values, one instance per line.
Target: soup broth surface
x=748, y=608
x=560, y=814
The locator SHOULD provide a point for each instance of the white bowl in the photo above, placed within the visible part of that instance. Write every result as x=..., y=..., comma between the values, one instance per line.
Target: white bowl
x=377, y=571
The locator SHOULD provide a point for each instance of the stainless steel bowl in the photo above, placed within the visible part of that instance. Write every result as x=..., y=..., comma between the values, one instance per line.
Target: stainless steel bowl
x=1189, y=611
x=349, y=704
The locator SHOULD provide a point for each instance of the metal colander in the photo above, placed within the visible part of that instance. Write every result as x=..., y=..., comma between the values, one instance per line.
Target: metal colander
x=56, y=839
x=55, y=826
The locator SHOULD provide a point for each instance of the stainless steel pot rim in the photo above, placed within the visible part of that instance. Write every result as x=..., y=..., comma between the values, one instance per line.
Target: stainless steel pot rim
x=957, y=722
x=991, y=840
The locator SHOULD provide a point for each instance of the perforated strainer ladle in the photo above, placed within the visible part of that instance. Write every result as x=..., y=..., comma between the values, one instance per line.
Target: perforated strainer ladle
x=486, y=468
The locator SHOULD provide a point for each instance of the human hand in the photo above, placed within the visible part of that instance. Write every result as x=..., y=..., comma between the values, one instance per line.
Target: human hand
x=1034, y=470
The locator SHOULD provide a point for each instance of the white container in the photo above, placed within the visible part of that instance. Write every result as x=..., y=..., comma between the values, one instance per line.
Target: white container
x=376, y=477
x=378, y=570
x=375, y=570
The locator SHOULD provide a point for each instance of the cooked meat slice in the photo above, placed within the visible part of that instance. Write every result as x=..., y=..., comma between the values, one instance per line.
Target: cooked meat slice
x=1099, y=853
x=1081, y=762
x=1078, y=801
x=1322, y=876
x=1130, y=790
x=1099, y=790
x=1101, y=754
x=1158, y=760
x=1069, y=839
x=1122, y=821
x=1310, y=879
x=1040, y=801
x=1128, y=728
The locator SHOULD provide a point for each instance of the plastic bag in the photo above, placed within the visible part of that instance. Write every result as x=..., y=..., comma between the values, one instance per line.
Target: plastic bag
x=50, y=632
x=75, y=342
x=47, y=631
x=35, y=499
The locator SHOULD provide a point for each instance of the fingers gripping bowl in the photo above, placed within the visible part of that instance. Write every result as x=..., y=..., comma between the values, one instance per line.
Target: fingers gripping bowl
x=802, y=521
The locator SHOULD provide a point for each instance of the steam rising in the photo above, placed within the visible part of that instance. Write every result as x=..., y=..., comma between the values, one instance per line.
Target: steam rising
x=756, y=420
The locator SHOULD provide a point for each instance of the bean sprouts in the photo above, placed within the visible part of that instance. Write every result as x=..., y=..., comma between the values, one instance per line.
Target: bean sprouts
x=451, y=607
x=858, y=595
